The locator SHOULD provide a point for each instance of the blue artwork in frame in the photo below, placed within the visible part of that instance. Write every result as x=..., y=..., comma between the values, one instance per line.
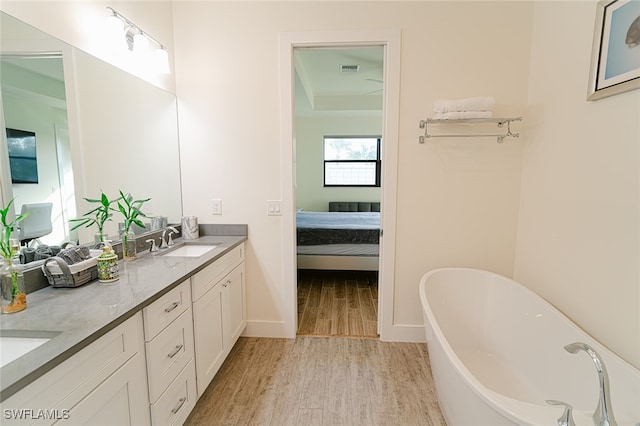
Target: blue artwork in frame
x=615, y=61
x=22, y=156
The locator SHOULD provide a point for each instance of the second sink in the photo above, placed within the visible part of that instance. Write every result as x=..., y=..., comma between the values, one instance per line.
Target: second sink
x=190, y=250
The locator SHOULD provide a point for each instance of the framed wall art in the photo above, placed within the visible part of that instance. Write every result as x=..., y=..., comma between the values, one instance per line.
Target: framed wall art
x=615, y=60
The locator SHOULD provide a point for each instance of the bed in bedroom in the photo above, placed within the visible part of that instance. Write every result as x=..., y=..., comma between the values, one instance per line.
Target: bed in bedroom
x=344, y=238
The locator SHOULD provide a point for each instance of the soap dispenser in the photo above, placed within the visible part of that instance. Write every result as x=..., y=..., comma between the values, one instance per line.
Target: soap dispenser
x=108, y=264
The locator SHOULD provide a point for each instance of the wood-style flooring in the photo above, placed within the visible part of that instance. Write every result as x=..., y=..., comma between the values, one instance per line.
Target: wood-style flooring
x=337, y=303
x=321, y=381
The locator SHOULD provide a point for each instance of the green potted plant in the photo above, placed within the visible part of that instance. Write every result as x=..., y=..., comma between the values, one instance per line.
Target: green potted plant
x=131, y=211
x=98, y=216
x=12, y=280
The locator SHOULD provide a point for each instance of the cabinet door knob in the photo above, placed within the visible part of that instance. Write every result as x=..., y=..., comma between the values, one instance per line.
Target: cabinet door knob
x=172, y=307
x=179, y=406
x=175, y=351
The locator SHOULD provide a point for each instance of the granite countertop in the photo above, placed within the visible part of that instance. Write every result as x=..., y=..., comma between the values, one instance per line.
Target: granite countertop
x=81, y=315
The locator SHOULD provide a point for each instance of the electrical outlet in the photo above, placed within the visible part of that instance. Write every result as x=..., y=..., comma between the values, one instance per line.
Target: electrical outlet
x=216, y=206
x=274, y=207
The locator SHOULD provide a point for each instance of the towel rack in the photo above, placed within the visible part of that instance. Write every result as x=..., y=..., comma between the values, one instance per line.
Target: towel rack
x=424, y=124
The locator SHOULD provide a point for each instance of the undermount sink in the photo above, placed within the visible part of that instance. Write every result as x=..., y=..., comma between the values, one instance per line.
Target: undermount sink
x=16, y=343
x=190, y=250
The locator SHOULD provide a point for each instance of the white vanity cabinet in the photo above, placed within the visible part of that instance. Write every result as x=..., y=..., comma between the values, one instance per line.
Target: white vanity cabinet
x=103, y=384
x=219, y=312
x=151, y=368
x=168, y=334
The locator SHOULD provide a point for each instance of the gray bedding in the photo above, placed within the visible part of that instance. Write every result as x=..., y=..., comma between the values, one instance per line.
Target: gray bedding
x=317, y=228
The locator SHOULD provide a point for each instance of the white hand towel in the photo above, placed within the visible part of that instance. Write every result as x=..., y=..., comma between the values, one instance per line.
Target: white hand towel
x=458, y=115
x=479, y=103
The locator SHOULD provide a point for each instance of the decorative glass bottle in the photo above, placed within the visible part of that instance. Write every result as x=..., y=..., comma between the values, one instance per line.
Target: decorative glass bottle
x=108, y=265
x=14, y=295
x=128, y=245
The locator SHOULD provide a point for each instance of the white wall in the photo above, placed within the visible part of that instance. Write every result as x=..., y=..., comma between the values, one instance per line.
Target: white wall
x=579, y=217
x=311, y=194
x=457, y=199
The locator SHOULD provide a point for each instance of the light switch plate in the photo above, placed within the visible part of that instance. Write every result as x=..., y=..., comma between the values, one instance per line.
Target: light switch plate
x=274, y=207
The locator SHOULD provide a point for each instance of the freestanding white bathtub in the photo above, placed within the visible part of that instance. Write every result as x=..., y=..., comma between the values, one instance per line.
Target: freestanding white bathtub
x=497, y=353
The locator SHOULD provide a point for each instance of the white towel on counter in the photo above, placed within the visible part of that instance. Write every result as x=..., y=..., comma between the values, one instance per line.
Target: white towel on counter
x=459, y=115
x=478, y=103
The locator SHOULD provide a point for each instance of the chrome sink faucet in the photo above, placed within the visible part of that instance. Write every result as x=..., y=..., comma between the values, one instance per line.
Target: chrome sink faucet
x=603, y=416
x=165, y=244
x=153, y=248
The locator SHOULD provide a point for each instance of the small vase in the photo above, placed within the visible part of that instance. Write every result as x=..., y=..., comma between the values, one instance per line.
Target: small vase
x=14, y=295
x=128, y=245
x=98, y=237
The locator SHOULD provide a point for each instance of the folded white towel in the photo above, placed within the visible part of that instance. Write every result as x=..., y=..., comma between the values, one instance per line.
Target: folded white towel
x=458, y=115
x=479, y=103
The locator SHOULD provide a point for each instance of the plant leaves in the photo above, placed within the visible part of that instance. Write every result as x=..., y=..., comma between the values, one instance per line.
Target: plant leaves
x=139, y=223
x=84, y=222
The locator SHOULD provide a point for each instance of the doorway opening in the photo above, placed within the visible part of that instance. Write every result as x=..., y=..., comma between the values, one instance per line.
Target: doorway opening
x=338, y=95
x=384, y=87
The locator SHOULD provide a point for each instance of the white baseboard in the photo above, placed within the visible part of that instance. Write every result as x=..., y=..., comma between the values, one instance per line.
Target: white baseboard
x=404, y=333
x=276, y=329
x=273, y=329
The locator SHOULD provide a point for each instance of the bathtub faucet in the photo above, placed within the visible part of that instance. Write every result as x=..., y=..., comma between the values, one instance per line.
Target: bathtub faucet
x=566, y=419
x=603, y=416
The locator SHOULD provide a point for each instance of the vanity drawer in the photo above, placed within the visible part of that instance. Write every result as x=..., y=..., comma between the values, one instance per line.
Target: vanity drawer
x=175, y=404
x=168, y=353
x=166, y=309
x=206, y=279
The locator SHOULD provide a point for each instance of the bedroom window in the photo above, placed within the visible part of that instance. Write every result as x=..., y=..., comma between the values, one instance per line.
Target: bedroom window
x=352, y=161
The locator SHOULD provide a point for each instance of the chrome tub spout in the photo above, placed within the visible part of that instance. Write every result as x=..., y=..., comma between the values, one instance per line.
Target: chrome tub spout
x=603, y=416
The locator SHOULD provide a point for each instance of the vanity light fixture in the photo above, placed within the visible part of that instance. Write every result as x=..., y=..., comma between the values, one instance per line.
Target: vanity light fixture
x=137, y=41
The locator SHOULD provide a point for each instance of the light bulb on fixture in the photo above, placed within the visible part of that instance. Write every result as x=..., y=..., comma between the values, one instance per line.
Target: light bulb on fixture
x=140, y=44
x=161, y=58
x=116, y=25
x=115, y=28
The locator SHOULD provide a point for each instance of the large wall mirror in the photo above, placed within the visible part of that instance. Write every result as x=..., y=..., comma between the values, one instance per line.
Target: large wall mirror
x=74, y=126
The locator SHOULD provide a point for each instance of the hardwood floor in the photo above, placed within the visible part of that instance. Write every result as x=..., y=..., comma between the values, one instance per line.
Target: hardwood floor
x=321, y=381
x=338, y=303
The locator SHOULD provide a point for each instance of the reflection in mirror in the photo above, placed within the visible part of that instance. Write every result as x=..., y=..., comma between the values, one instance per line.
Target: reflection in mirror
x=103, y=130
x=37, y=136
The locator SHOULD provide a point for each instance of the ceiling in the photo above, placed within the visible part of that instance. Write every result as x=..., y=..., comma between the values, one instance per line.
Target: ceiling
x=332, y=81
x=47, y=65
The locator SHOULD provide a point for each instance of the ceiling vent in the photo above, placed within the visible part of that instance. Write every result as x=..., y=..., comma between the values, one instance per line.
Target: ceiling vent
x=349, y=68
